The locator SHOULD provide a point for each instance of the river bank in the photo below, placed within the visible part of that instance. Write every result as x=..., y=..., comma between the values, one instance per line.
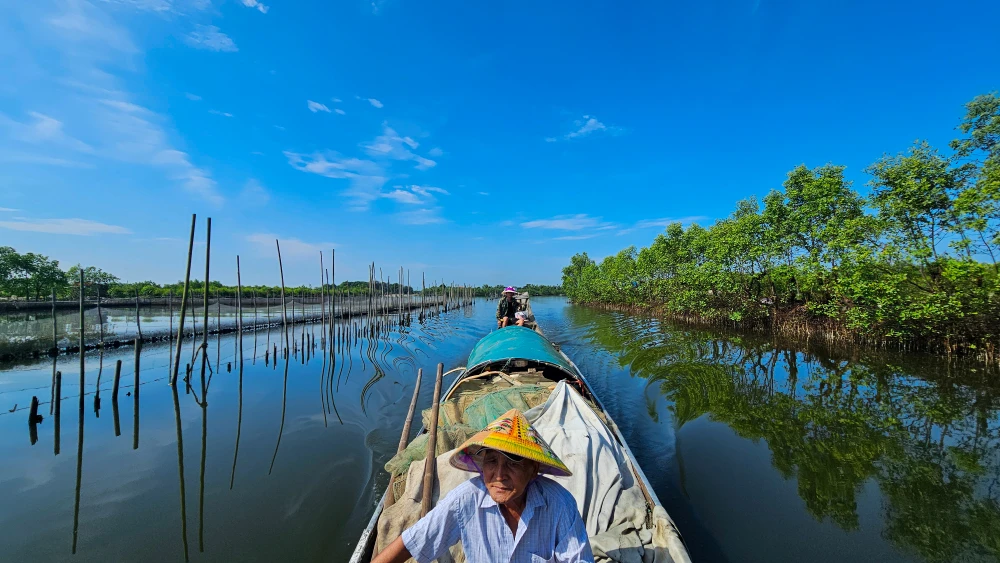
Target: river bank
x=799, y=325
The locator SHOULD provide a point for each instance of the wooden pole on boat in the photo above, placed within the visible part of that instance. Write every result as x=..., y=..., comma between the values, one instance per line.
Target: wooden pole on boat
x=404, y=438
x=184, y=298
x=431, y=460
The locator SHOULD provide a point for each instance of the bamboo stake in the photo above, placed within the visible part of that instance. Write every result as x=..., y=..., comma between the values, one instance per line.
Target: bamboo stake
x=322, y=298
x=404, y=438
x=170, y=334
x=118, y=374
x=284, y=312
x=204, y=342
x=138, y=324
x=33, y=421
x=430, y=460
x=184, y=297
x=239, y=308
x=135, y=397
x=57, y=415
x=54, y=352
x=180, y=467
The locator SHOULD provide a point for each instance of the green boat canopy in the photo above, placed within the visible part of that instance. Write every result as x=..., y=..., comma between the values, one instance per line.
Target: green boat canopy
x=516, y=343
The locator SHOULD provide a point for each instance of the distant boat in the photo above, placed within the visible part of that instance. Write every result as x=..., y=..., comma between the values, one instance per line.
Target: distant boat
x=518, y=367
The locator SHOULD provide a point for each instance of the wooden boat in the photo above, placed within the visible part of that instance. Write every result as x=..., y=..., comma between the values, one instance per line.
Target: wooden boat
x=515, y=365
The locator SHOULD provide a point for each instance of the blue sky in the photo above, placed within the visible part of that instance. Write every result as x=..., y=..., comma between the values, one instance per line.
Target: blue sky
x=479, y=142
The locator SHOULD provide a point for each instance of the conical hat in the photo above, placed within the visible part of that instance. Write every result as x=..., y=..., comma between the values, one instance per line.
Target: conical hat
x=511, y=434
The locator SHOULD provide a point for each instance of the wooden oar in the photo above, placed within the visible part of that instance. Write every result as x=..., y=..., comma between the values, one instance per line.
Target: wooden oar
x=431, y=461
x=390, y=498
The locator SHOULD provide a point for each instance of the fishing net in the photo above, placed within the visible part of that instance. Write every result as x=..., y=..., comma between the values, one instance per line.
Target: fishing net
x=491, y=406
x=463, y=415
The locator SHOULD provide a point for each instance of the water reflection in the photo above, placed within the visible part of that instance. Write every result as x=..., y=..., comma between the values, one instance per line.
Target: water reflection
x=274, y=478
x=924, y=432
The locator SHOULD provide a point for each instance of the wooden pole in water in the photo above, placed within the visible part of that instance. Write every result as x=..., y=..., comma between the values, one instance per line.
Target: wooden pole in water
x=322, y=300
x=170, y=334
x=431, y=460
x=204, y=341
x=184, y=297
x=33, y=420
x=239, y=308
x=138, y=325
x=135, y=397
x=118, y=375
x=57, y=415
x=54, y=352
x=284, y=309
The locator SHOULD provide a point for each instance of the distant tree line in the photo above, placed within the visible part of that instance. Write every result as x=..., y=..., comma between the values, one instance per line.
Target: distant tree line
x=530, y=288
x=33, y=276
x=915, y=260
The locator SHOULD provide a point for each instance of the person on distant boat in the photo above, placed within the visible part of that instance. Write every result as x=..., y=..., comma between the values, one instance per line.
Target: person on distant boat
x=507, y=309
x=506, y=513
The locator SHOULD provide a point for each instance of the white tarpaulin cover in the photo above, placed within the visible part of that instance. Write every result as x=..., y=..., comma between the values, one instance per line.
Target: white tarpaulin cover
x=608, y=496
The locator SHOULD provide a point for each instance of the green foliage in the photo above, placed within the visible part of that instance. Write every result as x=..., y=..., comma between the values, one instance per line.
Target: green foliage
x=28, y=275
x=916, y=260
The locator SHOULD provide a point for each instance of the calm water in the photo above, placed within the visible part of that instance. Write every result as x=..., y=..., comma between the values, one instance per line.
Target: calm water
x=761, y=452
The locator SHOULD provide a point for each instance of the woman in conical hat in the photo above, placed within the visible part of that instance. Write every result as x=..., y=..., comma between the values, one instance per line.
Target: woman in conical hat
x=508, y=512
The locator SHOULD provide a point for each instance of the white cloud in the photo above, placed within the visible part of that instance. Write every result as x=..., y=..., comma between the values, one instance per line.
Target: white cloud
x=366, y=177
x=222, y=113
x=82, y=227
x=575, y=237
x=402, y=196
x=335, y=100
x=211, y=38
x=42, y=130
x=192, y=97
x=390, y=145
x=254, y=193
x=102, y=123
x=577, y=222
x=426, y=190
x=585, y=127
x=29, y=158
x=255, y=4
x=428, y=216
x=316, y=106
x=414, y=195
x=8, y=210
x=374, y=102
x=661, y=222
x=435, y=152
x=340, y=111
x=291, y=248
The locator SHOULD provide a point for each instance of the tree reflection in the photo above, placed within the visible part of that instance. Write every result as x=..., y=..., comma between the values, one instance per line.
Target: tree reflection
x=925, y=431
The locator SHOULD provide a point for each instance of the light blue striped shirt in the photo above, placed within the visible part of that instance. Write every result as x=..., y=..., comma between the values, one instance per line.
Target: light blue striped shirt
x=550, y=528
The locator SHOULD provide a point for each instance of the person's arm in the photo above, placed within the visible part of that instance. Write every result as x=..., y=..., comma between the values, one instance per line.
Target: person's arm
x=430, y=537
x=396, y=552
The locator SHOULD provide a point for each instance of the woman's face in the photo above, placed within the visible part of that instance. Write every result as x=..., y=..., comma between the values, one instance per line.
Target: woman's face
x=506, y=479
